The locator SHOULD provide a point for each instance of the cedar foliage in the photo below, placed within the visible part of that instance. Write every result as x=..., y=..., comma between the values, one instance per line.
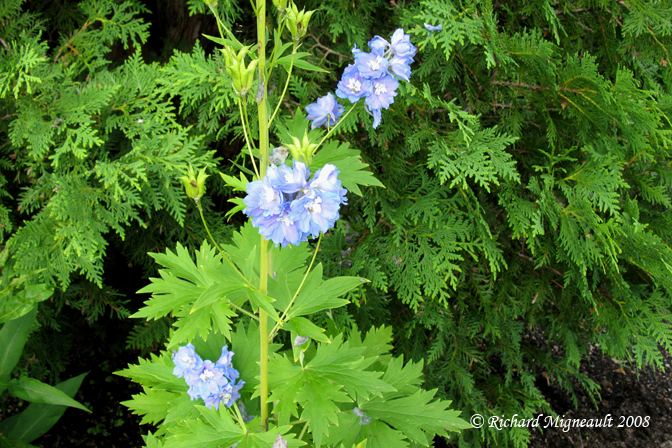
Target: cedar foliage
x=526, y=168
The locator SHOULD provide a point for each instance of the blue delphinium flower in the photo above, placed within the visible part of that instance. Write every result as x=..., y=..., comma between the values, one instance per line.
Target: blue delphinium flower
x=205, y=381
x=375, y=75
x=224, y=363
x=211, y=382
x=353, y=85
x=308, y=208
x=383, y=92
x=185, y=360
x=317, y=210
x=326, y=111
x=371, y=65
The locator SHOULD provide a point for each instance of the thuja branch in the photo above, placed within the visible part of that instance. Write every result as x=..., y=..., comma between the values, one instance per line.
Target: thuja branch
x=533, y=87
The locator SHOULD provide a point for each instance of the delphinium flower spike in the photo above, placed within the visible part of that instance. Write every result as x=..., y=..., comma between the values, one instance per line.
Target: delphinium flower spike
x=375, y=76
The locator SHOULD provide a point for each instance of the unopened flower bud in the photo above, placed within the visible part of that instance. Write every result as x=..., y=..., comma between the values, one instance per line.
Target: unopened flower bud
x=281, y=5
x=194, y=186
x=242, y=76
x=298, y=21
x=302, y=150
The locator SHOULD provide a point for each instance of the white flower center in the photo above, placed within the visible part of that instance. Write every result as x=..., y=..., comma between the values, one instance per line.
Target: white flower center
x=375, y=63
x=286, y=221
x=270, y=195
x=379, y=88
x=354, y=85
x=205, y=376
x=226, y=397
x=314, y=205
x=188, y=360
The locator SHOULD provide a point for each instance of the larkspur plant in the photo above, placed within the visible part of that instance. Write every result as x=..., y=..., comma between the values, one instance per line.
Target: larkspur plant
x=327, y=388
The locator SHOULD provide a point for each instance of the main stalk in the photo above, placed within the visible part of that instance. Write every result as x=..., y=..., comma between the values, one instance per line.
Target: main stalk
x=264, y=150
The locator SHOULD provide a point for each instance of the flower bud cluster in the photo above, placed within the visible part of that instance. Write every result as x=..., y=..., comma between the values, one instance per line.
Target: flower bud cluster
x=243, y=76
x=287, y=208
x=194, y=186
x=214, y=383
x=297, y=21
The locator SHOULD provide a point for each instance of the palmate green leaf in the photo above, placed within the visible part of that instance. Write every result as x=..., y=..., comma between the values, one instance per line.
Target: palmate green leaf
x=13, y=337
x=352, y=171
x=259, y=300
x=153, y=405
x=156, y=372
x=36, y=391
x=217, y=291
x=376, y=434
x=345, y=365
x=376, y=343
x=304, y=327
x=416, y=415
x=318, y=398
x=266, y=439
x=38, y=418
x=181, y=408
x=317, y=296
x=296, y=127
x=198, y=434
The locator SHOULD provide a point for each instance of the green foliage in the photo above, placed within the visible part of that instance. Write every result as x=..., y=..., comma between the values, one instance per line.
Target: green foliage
x=48, y=403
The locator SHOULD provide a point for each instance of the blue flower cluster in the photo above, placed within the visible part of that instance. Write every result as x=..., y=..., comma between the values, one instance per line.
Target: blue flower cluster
x=287, y=208
x=213, y=382
x=374, y=76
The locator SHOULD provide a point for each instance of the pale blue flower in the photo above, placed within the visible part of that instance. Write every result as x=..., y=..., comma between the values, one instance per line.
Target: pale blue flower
x=432, y=28
x=353, y=85
x=185, y=360
x=280, y=229
x=383, y=92
x=378, y=44
x=326, y=111
x=316, y=210
x=225, y=363
x=401, y=45
x=371, y=65
x=401, y=68
x=206, y=381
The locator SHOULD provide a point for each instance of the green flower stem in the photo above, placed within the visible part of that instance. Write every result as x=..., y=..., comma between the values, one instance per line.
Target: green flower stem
x=243, y=119
x=243, y=311
x=221, y=25
x=289, y=76
x=303, y=431
x=331, y=131
x=265, y=261
x=284, y=314
x=239, y=416
x=274, y=56
x=221, y=251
